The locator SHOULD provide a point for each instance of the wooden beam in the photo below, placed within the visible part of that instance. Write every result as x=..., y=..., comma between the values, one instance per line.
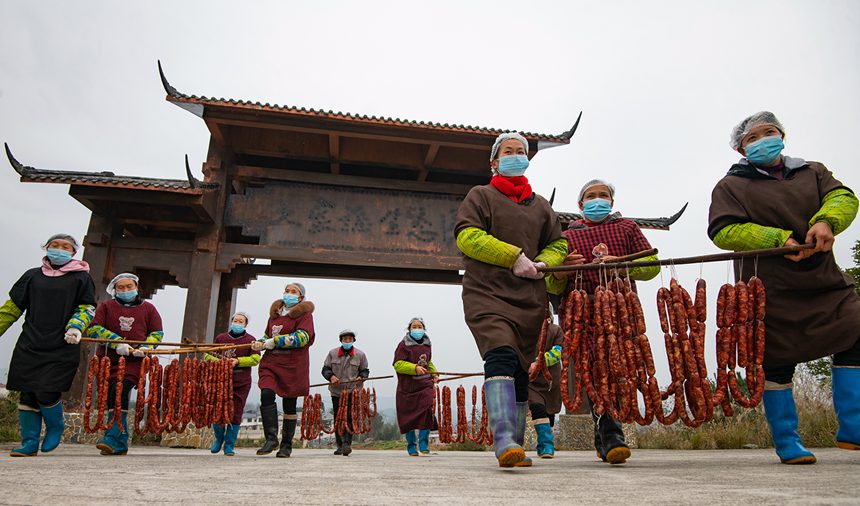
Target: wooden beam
x=246, y=172
x=358, y=273
x=215, y=130
x=334, y=153
x=231, y=253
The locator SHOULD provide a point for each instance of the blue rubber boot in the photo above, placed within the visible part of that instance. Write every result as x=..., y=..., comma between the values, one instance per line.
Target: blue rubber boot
x=424, y=440
x=52, y=416
x=522, y=414
x=230, y=435
x=109, y=443
x=218, y=429
x=31, y=429
x=502, y=412
x=846, y=403
x=122, y=438
x=411, y=449
x=781, y=415
x=545, y=444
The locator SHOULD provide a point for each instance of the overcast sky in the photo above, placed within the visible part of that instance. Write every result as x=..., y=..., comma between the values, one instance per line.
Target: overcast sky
x=661, y=84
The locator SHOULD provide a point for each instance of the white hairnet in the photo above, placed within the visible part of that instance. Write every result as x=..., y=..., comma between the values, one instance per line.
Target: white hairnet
x=300, y=286
x=111, y=288
x=62, y=237
x=596, y=182
x=240, y=313
x=743, y=128
x=505, y=136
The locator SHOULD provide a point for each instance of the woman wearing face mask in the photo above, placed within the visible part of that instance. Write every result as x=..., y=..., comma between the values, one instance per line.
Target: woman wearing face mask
x=345, y=368
x=602, y=236
x=243, y=359
x=413, y=364
x=768, y=200
x=285, y=367
x=506, y=232
x=125, y=317
x=58, y=299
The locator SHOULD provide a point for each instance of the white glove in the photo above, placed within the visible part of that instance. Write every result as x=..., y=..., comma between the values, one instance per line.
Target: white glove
x=138, y=352
x=540, y=265
x=525, y=268
x=269, y=344
x=73, y=336
x=123, y=349
x=256, y=346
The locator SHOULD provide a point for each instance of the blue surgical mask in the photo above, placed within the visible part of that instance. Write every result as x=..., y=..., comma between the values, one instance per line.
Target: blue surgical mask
x=237, y=328
x=417, y=334
x=596, y=209
x=513, y=165
x=290, y=299
x=764, y=151
x=346, y=346
x=59, y=256
x=127, y=296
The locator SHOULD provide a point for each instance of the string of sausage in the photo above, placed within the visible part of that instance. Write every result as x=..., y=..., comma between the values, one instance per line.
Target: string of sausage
x=355, y=404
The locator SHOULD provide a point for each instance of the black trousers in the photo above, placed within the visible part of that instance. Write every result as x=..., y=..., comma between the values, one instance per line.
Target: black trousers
x=783, y=374
x=267, y=398
x=539, y=411
x=504, y=361
x=34, y=399
x=127, y=386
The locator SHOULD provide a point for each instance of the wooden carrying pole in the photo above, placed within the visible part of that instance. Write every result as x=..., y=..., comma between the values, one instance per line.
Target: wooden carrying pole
x=719, y=257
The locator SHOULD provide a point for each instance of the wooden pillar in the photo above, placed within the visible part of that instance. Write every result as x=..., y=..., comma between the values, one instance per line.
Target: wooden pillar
x=204, y=281
x=226, y=305
x=96, y=253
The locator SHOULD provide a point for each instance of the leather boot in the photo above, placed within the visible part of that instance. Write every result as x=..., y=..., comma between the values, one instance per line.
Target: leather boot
x=846, y=403
x=781, y=414
x=339, y=439
x=502, y=412
x=30, y=421
x=289, y=430
x=613, y=449
x=269, y=414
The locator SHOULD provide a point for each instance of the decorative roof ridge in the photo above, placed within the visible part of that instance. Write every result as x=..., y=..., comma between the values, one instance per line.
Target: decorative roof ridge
x=32, y=172
x=554, y=139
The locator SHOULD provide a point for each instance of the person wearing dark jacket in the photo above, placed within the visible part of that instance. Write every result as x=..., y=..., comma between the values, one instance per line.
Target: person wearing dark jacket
x=345, y=369
x=812, y=310
x=57, y=300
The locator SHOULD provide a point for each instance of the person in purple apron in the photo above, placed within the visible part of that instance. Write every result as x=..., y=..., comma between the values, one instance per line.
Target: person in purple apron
x=243, y=359
x=414, y=365
x=768, y=200
x=125, y=317
x=57, y=300
x=285, y=366
x=507, y=233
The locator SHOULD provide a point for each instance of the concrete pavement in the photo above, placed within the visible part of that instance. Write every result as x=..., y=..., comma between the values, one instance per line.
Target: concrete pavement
x=76, y=474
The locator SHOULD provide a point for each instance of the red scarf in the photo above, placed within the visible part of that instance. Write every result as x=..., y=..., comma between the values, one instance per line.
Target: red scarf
x=516, y=188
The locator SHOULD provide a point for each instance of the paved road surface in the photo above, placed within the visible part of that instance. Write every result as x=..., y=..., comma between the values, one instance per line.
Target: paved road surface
x=76, y=474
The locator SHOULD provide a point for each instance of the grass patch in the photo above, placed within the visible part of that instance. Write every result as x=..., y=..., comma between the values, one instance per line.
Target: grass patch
x=9, y=418
x=817, y=424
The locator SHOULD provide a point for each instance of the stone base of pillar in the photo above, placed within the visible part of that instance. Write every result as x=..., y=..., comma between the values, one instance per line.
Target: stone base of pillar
x=192, y=437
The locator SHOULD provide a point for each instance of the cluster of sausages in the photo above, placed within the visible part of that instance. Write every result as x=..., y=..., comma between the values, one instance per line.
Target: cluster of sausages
x=191, y=391
x=98, y=375
x=683, y=323
x=477, y=431
x=355, y=414
x=605, y=344
x=740, y=343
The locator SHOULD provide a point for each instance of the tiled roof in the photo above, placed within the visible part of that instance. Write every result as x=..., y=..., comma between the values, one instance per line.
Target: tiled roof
x=175, y=96
x=652, y=223
x=189, y=185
